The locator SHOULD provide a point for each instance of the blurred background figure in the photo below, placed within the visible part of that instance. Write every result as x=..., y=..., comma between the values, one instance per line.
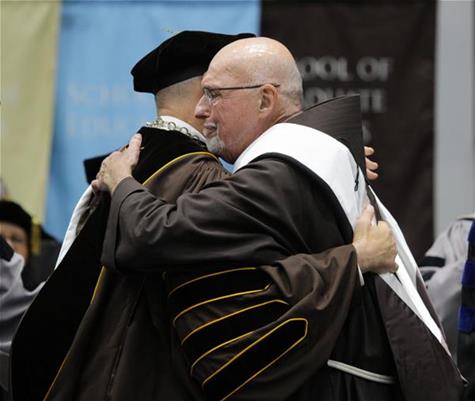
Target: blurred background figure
x=466, y=339
x=27, y=238
x=14, y=301
x=27, y=258
x=442, y=267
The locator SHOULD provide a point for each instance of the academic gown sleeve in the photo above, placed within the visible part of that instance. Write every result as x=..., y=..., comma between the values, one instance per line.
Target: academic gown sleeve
x=259, y=215
x=319, y=289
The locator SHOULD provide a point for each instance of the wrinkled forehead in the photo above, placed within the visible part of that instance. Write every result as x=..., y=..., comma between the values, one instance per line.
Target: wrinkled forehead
x=222, y=73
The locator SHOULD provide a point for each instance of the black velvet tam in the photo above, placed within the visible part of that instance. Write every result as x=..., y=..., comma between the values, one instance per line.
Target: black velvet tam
x=183, y=56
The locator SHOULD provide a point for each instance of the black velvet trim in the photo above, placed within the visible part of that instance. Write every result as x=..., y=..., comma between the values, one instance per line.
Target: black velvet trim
x=432, y=261
x=259, y=356
x=159, y=147
x=215, y=286
x=231, y=327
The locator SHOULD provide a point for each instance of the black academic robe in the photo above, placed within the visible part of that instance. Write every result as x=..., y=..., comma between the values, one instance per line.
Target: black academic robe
x=270, y=209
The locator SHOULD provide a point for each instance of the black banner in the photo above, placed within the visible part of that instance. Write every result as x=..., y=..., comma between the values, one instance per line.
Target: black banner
x=384, y=52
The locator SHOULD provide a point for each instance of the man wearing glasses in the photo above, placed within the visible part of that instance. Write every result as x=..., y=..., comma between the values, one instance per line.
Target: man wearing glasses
x=293, y=191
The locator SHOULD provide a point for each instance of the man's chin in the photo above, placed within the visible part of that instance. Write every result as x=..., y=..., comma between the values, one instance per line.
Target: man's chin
x=215, y=145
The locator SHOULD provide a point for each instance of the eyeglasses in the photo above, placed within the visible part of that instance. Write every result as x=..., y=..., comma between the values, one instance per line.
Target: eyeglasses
x=214, y=94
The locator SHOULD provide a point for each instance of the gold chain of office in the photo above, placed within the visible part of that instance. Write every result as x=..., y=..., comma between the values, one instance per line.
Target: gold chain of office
x=160, y=123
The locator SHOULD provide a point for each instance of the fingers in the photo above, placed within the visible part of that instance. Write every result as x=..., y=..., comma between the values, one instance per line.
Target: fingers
x=386, y=233
x=371, y=175
x=96, y=186
x=366, y=217
x=129, y=152
x=375, y=245
x=135, y=142
x=117, y=165
x=371, y=166
x=363, y=224
x=368, y=212
x=368, y=151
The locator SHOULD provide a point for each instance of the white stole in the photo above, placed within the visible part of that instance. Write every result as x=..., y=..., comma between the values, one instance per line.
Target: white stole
x=332, y=161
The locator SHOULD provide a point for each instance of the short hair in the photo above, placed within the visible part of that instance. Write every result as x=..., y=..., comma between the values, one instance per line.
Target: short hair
x=285, y=73
x=292, y=88
x=179, y=91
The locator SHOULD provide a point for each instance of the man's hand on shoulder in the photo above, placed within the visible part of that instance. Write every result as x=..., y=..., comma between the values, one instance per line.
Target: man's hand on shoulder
x=117, y=166
x=375, y=244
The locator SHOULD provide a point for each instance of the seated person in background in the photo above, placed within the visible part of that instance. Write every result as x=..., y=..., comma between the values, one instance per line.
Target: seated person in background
x=441, y=268
x=27, y=256
x=14, y=297
x=466, y=337
x=38, y=248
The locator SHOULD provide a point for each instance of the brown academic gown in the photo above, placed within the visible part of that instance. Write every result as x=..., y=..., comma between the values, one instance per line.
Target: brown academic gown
x=247, y=335
x=118, y=322
x=123, y=348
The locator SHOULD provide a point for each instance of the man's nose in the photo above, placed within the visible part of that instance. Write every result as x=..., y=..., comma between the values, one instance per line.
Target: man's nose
x=202, y=108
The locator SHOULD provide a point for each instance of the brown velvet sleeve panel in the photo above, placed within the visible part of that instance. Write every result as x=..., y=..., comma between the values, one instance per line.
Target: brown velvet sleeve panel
x=319, y=289
x=314, y=274
x=264, y=212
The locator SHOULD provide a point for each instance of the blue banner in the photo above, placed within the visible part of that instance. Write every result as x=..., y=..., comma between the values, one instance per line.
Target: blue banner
x=96, y=108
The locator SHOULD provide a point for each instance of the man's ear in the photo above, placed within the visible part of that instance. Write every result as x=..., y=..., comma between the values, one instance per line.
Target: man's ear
x=268, y=98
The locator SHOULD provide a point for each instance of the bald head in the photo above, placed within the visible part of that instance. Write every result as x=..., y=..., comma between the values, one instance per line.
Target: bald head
x=251, y=85
x=263, y=60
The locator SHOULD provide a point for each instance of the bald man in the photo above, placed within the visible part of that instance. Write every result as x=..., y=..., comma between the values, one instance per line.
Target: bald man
x=261, y=214
x=294, y=189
